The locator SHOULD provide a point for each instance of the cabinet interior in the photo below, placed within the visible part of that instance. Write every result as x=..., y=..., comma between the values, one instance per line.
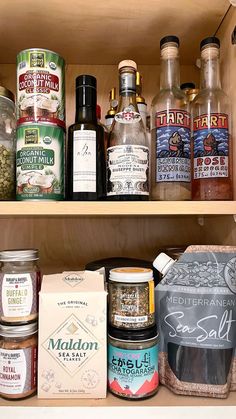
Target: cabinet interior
x=69, y=242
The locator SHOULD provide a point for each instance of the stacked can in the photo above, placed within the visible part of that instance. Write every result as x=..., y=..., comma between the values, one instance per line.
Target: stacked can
x=40, y=138
x=132, y=340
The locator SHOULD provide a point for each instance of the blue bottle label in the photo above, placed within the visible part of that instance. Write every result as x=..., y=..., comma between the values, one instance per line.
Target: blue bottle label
x=133, y=373
x=173, y=146
x=211, y=146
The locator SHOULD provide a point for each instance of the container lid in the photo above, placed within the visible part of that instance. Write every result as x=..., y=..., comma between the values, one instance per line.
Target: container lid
x=20, y=255
x=6, y=93
x=210, y=40
x=163, y=262
x=127, y=63
x=18, y=331
x=169, y=38
x=131, y=274
x=133, y=335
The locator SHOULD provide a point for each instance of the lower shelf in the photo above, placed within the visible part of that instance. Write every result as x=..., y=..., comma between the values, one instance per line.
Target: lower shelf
x=164, y=398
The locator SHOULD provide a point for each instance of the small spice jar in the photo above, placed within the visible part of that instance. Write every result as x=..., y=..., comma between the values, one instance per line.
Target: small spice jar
x=20, y=282
x=18, y=361
x=131, y=298
x=133, y=363
x=7, y=144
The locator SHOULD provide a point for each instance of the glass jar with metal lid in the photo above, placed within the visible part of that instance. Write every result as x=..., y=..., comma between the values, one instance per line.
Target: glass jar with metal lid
x=7, y=144
x=20, y=281
x=18, y=361
x=133, y=362
x=131, y=298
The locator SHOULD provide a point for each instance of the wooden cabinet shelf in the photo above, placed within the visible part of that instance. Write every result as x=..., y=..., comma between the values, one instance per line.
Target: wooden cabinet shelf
x=93, y=36
x=163, y=398
x=151, y=208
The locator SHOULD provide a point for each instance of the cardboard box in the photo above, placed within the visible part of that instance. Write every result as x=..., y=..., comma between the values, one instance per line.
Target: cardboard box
x=72, y=336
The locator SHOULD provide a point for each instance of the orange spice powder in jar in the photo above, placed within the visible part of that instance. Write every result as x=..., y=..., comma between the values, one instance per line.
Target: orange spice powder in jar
x=20, y=282
x=18, y=361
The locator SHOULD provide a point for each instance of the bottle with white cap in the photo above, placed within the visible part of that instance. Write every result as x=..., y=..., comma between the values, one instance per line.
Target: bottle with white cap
x=128, y=151
x=163, y=262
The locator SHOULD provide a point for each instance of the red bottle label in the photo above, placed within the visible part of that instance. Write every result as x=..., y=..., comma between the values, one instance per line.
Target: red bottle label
x=211, y=146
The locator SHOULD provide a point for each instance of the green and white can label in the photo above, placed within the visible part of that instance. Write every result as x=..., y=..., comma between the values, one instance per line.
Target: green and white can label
x=133, y=373
x=40, y=87
x=40, y=162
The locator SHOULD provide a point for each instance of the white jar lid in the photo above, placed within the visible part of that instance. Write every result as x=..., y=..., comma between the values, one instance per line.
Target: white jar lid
x=131, y=275
x=163, y=263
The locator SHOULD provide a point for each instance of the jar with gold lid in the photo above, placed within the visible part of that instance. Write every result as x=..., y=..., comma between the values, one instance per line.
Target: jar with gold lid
x=20, y=282
x=18, y=361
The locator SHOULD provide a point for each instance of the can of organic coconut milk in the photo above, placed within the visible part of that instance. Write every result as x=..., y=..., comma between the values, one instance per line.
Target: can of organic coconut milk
x=40, y=162
x=40, y=87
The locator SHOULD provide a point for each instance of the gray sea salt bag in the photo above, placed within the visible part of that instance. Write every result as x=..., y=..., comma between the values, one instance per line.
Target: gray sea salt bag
x=196, y=313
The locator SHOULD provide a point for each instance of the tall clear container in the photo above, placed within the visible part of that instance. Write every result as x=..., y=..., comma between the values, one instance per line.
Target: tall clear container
x=212, y=152
x=170, y=150
x=128, y=151
x=7, y=144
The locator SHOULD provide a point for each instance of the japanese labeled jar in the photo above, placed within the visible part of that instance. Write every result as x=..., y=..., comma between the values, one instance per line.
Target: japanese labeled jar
x=133, y=363
x=131, y=298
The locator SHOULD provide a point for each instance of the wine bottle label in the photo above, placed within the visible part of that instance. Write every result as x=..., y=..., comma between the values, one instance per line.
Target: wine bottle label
x=84, y=161
x=211, y=146
x=173, y=146
x=128, y=116
x=127, y=167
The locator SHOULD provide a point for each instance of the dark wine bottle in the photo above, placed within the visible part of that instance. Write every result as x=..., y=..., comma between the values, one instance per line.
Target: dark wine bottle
x=86, y=167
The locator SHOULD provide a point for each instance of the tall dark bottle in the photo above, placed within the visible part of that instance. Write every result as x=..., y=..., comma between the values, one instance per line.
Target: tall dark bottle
x=86, y=167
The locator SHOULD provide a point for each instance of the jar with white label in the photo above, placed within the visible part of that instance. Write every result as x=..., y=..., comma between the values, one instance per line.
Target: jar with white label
x=20, y=281
x=133, y=363
x=131, y=298
x=18, y=361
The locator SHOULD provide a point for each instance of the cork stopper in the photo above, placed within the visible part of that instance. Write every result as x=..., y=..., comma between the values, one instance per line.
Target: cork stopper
x=127, y=63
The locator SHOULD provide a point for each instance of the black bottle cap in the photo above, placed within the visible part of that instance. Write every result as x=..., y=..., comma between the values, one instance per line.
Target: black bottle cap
x=86, y=93
x=86, y=80
x=132, y=334
x=187, y=86
x=169, y=38
x=210, y=40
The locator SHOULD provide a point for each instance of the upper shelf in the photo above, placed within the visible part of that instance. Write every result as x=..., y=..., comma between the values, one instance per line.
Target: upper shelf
x=52, y=208
x=105, y=31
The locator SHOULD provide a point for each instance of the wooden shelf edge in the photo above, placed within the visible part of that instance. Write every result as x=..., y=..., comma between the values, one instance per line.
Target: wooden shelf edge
x=52, y=208
x=163, y=399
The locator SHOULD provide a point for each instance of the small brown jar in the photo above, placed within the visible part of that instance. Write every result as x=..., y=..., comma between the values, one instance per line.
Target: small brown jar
x=20, y=282
x=18, y=361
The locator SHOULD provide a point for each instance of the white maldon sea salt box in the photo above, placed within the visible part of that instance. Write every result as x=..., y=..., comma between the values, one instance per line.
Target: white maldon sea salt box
x=72, y=336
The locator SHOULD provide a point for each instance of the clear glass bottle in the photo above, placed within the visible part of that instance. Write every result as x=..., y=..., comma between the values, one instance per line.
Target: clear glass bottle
x=170, y=125
x=7, y=145
x=86, y=167
x=212, y=154
x=142, y=106
x=128, y=151
x=109, y=118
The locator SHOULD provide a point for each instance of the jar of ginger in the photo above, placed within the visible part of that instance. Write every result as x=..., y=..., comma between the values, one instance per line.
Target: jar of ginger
x=20, y=281
x=18, y=361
